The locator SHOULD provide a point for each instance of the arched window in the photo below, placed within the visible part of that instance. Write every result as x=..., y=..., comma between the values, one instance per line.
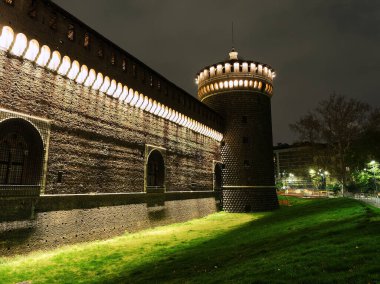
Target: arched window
x=155, y=170
x=21, y=153
x=13, y=153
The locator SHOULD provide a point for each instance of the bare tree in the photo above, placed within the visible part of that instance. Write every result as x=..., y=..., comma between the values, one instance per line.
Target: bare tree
x=308, y=128
x=337, y=121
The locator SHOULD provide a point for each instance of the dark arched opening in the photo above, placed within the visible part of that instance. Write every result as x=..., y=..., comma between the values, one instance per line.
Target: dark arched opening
x=21, y=154
x=155, y=170
x=218, y=182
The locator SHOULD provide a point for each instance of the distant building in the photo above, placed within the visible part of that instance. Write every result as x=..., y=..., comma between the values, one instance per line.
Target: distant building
x=298, y=164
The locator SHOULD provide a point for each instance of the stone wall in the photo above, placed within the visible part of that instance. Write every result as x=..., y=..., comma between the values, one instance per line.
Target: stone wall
x=69, y=219
x=98, y=143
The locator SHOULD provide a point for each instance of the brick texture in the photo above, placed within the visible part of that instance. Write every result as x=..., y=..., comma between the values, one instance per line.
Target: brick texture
x=56, y=228
x=246, y=149
x=249, y=199
x=99, y=143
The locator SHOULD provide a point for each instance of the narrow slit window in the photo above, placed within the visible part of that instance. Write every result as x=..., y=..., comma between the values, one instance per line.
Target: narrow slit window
x=32, y=11
x=100, y=52
x=53, y=22
x=124, y=65
x=134, y=70
x=86, y=43
x=10, y=2
x=71, y=33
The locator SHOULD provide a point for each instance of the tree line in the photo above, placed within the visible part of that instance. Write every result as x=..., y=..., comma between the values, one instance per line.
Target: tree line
x=351, y=131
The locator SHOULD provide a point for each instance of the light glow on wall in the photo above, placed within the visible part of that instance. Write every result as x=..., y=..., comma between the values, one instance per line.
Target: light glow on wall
x=124, y=94
x=44, y=56
x=65, y=66
x=82, y=75
x=32, y=51
x=98, y=82
x=140, y=101
x=6, y=38
x=19, y=45
x=74, y=70
x=118, y=91
x=55, y=60
x=145, y=103
x=90, y=78
x=106, y=84
x=129, y=98
x=149, y=106
x=112, y=88
x=135, y=99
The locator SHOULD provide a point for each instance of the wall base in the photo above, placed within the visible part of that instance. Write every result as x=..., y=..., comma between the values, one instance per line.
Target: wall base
x=78, y=223
x=239, y=200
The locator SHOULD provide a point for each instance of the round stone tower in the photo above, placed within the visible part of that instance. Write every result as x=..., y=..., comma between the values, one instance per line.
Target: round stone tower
x=241, y=90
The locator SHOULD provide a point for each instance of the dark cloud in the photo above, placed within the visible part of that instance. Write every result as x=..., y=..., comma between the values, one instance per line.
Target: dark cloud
x=316, y=46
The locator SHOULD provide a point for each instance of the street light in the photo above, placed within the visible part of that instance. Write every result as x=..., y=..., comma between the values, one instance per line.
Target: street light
x=312, y=173
x=373, y=165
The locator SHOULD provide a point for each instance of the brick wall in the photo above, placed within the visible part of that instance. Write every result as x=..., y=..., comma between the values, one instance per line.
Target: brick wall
x=63, y=220
x=99, y=143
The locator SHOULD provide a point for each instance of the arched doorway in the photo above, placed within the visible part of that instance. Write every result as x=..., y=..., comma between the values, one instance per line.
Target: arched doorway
x=21, y=155
x=218, y=181
x=155, y=172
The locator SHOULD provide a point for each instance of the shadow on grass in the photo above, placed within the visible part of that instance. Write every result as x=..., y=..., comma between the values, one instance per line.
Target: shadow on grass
x=320, y=241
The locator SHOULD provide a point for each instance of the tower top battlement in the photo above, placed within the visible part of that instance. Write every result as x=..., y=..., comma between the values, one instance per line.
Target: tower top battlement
x=235, y=74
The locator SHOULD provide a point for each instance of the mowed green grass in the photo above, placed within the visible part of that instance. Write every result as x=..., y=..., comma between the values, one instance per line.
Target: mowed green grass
x=312, y=241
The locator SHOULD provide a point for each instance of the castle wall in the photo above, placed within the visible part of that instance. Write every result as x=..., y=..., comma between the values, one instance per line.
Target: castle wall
x=95, y=148
x=99, y=143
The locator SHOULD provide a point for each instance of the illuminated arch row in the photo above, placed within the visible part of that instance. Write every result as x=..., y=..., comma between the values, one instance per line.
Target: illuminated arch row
x=18, y=45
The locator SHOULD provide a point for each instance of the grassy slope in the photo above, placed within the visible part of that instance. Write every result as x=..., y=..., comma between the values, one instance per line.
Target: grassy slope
x=336, y=240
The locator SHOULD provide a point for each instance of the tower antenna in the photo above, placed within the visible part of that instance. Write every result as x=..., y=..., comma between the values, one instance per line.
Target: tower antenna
x=233, y=43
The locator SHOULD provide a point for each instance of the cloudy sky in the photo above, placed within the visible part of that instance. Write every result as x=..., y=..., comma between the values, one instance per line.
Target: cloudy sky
x=317, y=46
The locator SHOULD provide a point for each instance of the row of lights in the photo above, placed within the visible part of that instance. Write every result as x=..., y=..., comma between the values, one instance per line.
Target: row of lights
x=237, y=68
x=20, y=46
x=231, y=84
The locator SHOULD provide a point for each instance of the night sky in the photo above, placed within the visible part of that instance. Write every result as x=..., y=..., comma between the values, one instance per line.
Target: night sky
x=316, y=47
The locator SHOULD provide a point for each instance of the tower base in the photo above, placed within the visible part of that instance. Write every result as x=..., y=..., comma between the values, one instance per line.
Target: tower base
x=254, y=199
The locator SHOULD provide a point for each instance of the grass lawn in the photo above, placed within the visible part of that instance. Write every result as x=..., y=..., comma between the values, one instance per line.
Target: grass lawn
x=312, y=241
